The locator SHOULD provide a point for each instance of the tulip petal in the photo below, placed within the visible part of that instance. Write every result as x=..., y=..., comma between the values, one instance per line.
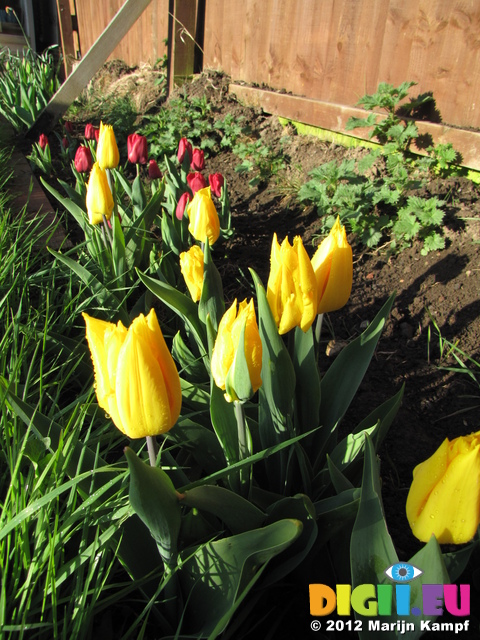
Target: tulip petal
x=105, y=341
x=444, y=499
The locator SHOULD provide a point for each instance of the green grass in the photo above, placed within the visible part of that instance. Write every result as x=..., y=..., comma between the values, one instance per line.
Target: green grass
x=59, y=519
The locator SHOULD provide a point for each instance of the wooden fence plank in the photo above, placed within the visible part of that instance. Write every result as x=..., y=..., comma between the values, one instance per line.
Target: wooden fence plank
x=66, y=35
x=339, y=50
x=89, y=65
x=327, y=115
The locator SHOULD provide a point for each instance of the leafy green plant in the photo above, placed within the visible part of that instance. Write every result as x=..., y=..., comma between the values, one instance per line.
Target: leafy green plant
x=27, y=82
x=259, y=158
x=392, y=131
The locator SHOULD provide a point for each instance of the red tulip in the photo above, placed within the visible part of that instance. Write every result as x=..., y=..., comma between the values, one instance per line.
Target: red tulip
x=42, y=141
x=65, y=142
x=184, y=146
x=68, y=127
x=216, y=181
x=137, y=148
x=198, y=160
x=83, y=160
x=182, y=203
x=91, y=132
x=196, y=181
x=153, y=170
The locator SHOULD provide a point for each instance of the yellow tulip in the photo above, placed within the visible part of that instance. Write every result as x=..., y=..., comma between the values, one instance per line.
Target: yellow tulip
x=333, y=267
x=191, y=266
x=203, y=217
x=227, y=345
x=108, y=155
x=291, y=287
x=444, y=498
x=136, y=380
x=99, y=197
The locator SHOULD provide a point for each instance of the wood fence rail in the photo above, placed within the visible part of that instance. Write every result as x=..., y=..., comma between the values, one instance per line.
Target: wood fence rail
x=330, y=51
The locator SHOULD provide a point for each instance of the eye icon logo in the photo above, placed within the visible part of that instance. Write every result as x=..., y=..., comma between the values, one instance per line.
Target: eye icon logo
x=403, y=572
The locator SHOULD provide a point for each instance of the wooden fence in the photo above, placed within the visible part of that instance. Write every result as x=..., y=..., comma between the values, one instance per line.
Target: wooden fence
x=322, y=54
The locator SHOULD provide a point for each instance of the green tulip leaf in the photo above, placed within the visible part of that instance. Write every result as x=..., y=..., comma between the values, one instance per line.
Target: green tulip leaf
x=342, y=379
x=300, y=508
x=225, y=426
x=236, y=512
x=372, y=551
x=181, y=304
x=219, y=574
x=339, y=481
x=430, y=561
x=211, y=300
x=118, y=252
x=170, y=235
x=275, y=396
x=190, y=365
x=308, y=381
x=155, y=501
x=335, y=514
x=200, y=442
x=139, y=199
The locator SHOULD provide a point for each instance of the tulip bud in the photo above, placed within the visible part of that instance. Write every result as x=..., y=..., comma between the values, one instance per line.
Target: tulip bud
x=153, y=170
x=196, y=181
x=203, y=217
x=90, y=132
x=184, y=146
x=136, y=380
x=191, y=266
x=444, y=498
x=182, y=203
x=216, y=181
x=99, y=195
x=198, y=160
x=68, y=127
x=83, y=159
x=227, y=345
x=137, y=148
x=291, y=287
x=333, y=267
x=65, y=143
x=42, y=141
x=108, y=155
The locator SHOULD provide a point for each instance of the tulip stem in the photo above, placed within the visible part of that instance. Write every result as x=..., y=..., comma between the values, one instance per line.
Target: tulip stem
x=152, y=447
x=243, y=448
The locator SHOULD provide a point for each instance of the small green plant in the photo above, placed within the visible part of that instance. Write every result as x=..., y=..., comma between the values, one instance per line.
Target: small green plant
x=462, y=363
x=373, y=194
x=392, y=130
x=258, y=157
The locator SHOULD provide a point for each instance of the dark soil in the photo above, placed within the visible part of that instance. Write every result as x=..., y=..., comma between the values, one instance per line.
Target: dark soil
x=442, y=287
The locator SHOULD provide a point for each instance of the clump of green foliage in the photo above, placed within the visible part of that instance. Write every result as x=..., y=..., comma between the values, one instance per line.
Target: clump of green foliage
x=196, y=119
x=27, y=82
x=373, y=195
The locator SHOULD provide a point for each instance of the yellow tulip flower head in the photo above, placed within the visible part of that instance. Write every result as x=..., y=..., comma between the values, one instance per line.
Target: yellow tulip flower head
x=136, y=380
x=291, y=287
x=191, y=266
x=444, y=498
x=227, y=344
x=203, y=217
x=99, y=197
x=333, y=267
x=108, y=155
